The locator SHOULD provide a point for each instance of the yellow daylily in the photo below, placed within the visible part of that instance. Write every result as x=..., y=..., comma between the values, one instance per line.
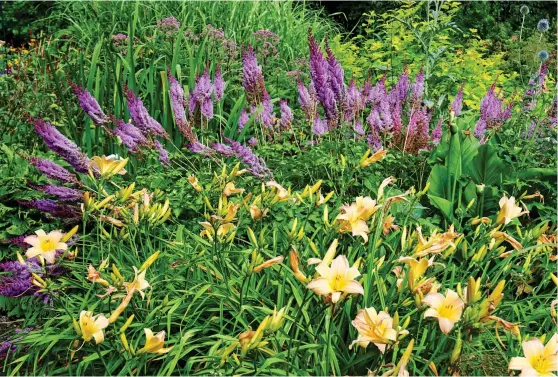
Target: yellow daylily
x=231, y=189
x=154, y=343
x=209, y=231
x=139, y=283
x=335, y=280
x=374, y=327
x=446, y=309
x=377, y=156
x=282, y=194
x=92, y=327
x=108, y=166
x=539, y=360
x=436, y=243
x=194, y=182
x=355, y=216
x=417, y=268
x=508, y=210
x=45, y=245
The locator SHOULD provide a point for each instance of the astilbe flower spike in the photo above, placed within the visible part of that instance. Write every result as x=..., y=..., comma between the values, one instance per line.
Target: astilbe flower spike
x=218, y=84
x=163, y=154
x=52, y=207
x=243, y=119
x=417, y=90
x=53, y=170
x=253, y=80
x=336, y=75
x=129, y=134
x=493, y=114
x=437, y=133
x=90, y=105
x=141, y=118
x=201, y=96
x=286, y=114
x=457, y=103
x=178, y=106
x=61, y=145
x=62, y=192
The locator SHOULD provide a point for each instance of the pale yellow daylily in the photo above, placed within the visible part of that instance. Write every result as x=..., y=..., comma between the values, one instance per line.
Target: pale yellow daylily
x=45, y=245
x=539, y=360
x=231, y=189
x=108, y=166
x=194, y=182
x=139, y=283
x=508, y=210
x=154, y=343
x=92, y=327
x=282, y=194
x=335, y=280
x=355, y=216
x=374, y=327
x=446, y=309
x=436, y=243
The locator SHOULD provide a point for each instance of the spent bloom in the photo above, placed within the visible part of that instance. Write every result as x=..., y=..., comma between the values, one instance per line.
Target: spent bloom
x=91, y=327
x=45, y=245
x=61, y=145
x=447, y=309
x=90, y=105
x=336, y=280
x=543, y=25
x=539, y=360
x=141, y=117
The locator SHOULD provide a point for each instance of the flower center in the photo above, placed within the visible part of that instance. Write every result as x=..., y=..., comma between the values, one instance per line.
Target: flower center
x=48, y=245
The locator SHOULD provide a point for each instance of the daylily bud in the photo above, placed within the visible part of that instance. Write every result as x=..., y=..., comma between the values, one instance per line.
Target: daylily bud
x=293, y=259
x=315, y=188
x=127, y=324
x=252, y=237
x=343, y=161
x=68, y=235
x=268, y=264
x=124, y=341
x=276, y=320
x=150, y=261
x=75, y=324
x=456, y=349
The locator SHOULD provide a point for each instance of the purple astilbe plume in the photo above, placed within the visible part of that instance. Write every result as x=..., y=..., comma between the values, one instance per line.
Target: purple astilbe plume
x=401, y=89
x=437, y=133
x=286, y=114
x=256, y=165
x=319, y=71
x=253, y=80
x=218, y=84
x=374, y=141
x=553, y=113
x=457, y=103
x=163, y=154
x=320, y=126
x=374, y=121
x=201, y=96
x=366, y=89
x=197, y=147
x=222, y=149
x=480, y=129
x=61, y=145
x=169, y=25
x=53, y=170
x=178, y=106
x=252, y=141
x=62, y=192
x=358, y=128
x=90, y=105
x=378, y=91
x=243, y=119
x=354, y=102
x=397, y=121
x=52, y=207
x=336, y=75
x=16, y=241
x=305, y=100
x=385, y=110
x=267, y=116
x=492, y=113
x=417, y=90
x=15, y=280
x=129, y=134
x=141, y=118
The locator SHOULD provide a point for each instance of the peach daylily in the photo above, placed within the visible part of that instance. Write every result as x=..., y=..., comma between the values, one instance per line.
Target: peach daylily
x=139, y=283
x=436, y=243
x=194, y=182
x=539, y=360
x=45, y=245
x=374, y=327
x=355, y=216
x=154, y=343
x=231, y=189
x=335, y=280
x=446, y=309
x=92, y=326
x=281, y=194
x=508, y=210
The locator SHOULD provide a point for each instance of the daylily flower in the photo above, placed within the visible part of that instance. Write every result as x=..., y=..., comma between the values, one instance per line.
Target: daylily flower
x=282, y=194
x=377, y=156
x=508, y=210
x=329, y=255
x=107, y=166
x=335, y=280
x=417, y=268
x=94, y=276
x=230, y=189
x=374, y=327
x=209, y=230
x=92, y=326
x=139, y=283
x=436, y=243
x=389, y=224
x=355, y=216
x=539, y=360
x=256, y=212
x=154, y=343
x=194, y=182
x=45, y=245
x=446, y=309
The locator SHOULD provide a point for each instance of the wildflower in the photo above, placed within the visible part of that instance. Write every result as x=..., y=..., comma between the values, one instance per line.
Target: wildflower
x=508, y=210
x=268, y=264
x=417, y=89
x=374, y=327
x=436, y=243
x=62, y=192
x=139, y=283
x=92, y=326
x=389, y=224
x=194, y=182
x=524, y=10
x=163, y=154
x=377, y=156
x=90, y=105
x=53, y=170
x=437, y=133
x=129, y=134
x=108, y=166
x=253, y=80
x=543, y=25
x=45, y=245
x=230, y=189
x=543, y=55
x=286, y=114
x=218, y=84
x=120, y=40
x=335, y=280
x=154, y=343
x=141, y=117
x=446, y=309
x=169, y=25
x=61, y=145
x=539, y=360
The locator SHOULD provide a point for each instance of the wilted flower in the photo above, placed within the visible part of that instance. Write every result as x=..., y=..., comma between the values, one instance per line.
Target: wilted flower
x=543, y=25
x=194, y=182
x=374, y=327
x=45, y=245
x=446, y=309
x=154, y=343
x=335, y=280
x=539, y=360
x=92, y=326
